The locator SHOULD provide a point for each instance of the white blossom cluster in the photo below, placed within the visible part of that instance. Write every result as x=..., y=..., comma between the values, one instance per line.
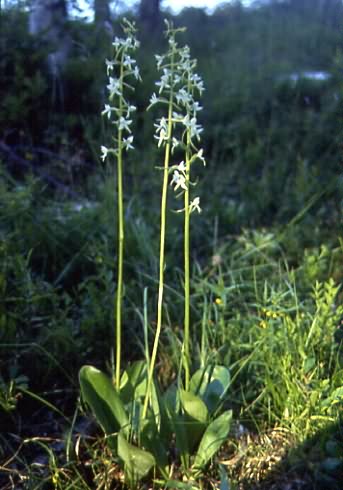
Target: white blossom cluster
x=119, y=69
x=177, y=88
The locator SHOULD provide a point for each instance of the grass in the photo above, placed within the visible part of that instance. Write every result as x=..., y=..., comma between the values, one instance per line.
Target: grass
x=272, y=318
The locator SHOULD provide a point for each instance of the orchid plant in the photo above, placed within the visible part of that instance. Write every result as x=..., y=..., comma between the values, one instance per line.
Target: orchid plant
x=120, y=69
x=180, y=129
x=141, y=422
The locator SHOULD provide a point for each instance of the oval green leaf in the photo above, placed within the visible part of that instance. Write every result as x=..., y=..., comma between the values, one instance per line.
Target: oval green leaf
x=137, y=462
x=214, y=436
x=194, y=406
x=211, y=384
x=99, y=393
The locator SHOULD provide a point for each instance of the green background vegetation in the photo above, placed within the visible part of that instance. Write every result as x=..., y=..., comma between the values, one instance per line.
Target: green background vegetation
x=266, y=249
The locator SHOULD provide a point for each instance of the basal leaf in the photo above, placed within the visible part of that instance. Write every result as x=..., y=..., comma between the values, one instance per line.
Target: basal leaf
x=194, y=419
x=215, y=435
x=99, y=393
x=182, y=439
x=171, y=400
x=211, y=384
x=194, y=406
x=134, y=376
x=138, y=462
x=153, y=442
x=170, y=408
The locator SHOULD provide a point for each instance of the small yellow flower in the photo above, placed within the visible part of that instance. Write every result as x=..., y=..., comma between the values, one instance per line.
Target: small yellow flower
x=263, y=324
x=55, y=478
x=219, y=301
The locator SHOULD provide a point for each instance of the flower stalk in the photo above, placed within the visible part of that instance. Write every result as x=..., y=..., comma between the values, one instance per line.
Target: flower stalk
x=165, y=130
x=187, y=265
x=119, y=295
x=176, y=87
x=192, y=130
x=121, y=109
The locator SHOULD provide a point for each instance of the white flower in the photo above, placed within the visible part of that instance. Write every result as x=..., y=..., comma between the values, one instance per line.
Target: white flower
x=162, y=131
x=128, y=61
x=107, y=111
x=104, y=153
x=175, y=143
x=164, y=82
x=195, y=128
x=200, y=86
x=199, y=155
x=195, y=78
x=176, y=79
x=196, y=107
x=162, y=125
x=186, y=65
x=136, y=73
x=114, y=86
x=130, y=108
x=161, y=137
x=177, y=117
x=127, y=142
x=154, y=99
x=183, y=96
x=185, y=52
x=128, y=42
x=195, y=205
x=178, y=180
x=172, y=43
x=124, y=124
x=182, y=167
x=118, y=41
x=110, y=64
x=159, y=60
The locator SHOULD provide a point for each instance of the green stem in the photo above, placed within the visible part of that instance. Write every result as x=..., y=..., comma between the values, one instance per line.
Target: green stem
x=119, y=295
x=186, y=340
x=162, y=250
